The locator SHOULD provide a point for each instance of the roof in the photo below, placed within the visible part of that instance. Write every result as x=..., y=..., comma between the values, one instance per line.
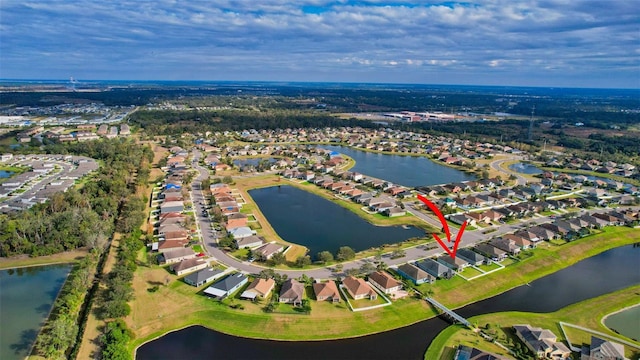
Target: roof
x=187, y=264
x=467, y=254
x=356, y=286
x=268, y=249
x=607, y=348
x=292, y=289
x=223, y=286
x=259, y=287
x=384, y=279
x=413, y=271
x=203, y=275
x=240, y=232
x=176, y=253
x=325, y=289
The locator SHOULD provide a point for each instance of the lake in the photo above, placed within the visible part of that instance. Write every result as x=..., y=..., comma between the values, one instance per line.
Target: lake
x=26, y=296
x=5, y=174
x=525, y=168
x=409, y=171
x=583, y=280
x=626, y=322
x=307, y=219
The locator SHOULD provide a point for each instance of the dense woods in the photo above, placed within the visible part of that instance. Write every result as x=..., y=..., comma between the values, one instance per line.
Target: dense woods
x=86, y=216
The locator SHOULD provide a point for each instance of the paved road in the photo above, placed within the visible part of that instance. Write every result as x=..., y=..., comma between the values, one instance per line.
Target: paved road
x=497, y=165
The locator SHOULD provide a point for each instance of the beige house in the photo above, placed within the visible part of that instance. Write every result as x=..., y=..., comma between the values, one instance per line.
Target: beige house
x=259, y=288
x=326, y=291
x=358, y=288
x=385, y=282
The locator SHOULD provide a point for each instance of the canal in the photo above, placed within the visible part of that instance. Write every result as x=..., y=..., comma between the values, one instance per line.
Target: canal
x=601, y=274
x=307, y=219
x=409, y=171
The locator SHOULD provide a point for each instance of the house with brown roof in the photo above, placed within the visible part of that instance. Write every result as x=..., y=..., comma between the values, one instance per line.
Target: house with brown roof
x=266, y=251
x=326, y=291
x=259, y=288
x=236, y=220
x=291, y=292
x=385, y=282
x=189, y=265
x=358, y=288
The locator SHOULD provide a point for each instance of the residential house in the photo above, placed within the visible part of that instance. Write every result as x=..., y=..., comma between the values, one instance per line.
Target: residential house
x=385, y=282
x=415, y=274
x=241, y=232
x=326, y=291
x=493, y=215
x=456, y=264
x=491, y=252
x=171, y=206
x=544, y=233
x=189, y=265
x=176, y=255
x=226, y=286
x=250, y=242
x=471, y=257
x=266, y=251
x=291, y=292
x=602, y=350
x=259, y=288
x=467, y=353
x=435, y=268
x=542, y=342
x=358, y=288
x=528, y=235
x=203, y=276
x=506, y=245
x=236, y=220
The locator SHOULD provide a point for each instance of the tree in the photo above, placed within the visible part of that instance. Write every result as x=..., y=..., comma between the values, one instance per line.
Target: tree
x=338, y=267
x=303, y=260
x=367, y=268
x=352, y=271
x=398, y=253
x=325, y=256
x=278, y=258
x=345, y=253
x=227, y=179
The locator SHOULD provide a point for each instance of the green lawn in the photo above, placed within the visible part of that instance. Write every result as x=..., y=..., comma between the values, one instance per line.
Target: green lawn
x=470, y=272
x=490, y=267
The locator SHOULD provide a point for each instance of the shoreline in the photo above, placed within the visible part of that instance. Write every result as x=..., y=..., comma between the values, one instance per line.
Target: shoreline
x=234, y=330
x=604, y=318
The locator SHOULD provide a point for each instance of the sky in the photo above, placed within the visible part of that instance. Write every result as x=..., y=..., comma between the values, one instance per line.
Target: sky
x=555, y=43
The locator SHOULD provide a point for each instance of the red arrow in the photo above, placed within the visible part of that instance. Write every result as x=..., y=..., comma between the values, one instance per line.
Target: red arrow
x=445, y=227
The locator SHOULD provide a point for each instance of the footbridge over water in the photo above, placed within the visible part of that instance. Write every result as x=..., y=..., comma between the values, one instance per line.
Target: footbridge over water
x=449, y=312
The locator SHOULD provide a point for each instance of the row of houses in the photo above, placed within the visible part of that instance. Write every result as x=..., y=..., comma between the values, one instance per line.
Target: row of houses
x=347, y=186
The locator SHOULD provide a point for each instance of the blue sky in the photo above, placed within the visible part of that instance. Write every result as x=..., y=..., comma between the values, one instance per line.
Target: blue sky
x=560, y=43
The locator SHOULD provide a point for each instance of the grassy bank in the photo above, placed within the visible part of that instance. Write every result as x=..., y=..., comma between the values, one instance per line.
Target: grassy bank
x=593, y=173
x=546, y=259
x=25, y=260
x=178, y=305
x=586, y=313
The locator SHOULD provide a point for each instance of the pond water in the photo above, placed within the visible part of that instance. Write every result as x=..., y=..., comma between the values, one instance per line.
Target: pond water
x=409, y=171
x=525, y=168
x=26, y=297
x=251, y=161
x=5, y=174
x=626, y=322
x=601, y=274
x=307, y=219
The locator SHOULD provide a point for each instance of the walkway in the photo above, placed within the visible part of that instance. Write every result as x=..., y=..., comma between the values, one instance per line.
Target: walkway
x=446, y=310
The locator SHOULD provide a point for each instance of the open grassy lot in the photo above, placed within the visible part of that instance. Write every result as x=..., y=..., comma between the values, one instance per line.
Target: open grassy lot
x=25, y=260
x=586, y=313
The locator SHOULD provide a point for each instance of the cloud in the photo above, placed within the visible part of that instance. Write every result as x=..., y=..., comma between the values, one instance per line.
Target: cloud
x=544, y=42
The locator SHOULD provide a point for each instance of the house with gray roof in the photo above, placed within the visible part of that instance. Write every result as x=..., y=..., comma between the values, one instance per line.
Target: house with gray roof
x=241, y=232
x=602, y=350
x=471, y=257
x=491, y=252
x=226, y=286
x=203, y=276
x=291, y=292
x=435, y=268
x=415, y=274
x=456, y=264
x=176, y=255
